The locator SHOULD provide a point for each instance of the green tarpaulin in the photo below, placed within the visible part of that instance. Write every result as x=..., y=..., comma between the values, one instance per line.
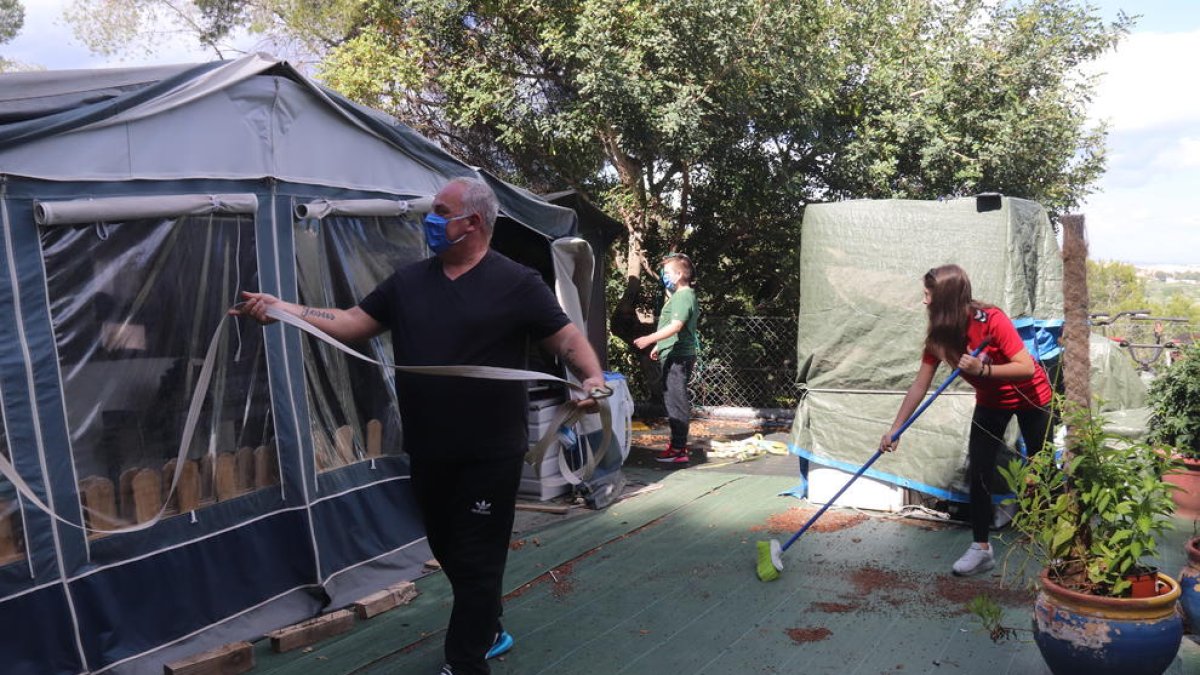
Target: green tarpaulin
x=862, y=323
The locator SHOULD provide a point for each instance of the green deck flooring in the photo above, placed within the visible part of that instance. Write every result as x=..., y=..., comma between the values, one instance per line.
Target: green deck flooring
x=664, y=582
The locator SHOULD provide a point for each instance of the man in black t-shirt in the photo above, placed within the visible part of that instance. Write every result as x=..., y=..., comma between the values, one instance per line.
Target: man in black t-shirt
x=466, y=437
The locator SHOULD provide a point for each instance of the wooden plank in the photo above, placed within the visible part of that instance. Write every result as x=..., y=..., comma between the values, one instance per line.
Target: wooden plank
x=99, y=502
x=244, y=469
x=225, y=477
x=231, y=659
x=374, y=438
x=343, y=442
x=147, y=494
x=266, y=471
x=388, y=598
x=560, y=509
x=311, y=631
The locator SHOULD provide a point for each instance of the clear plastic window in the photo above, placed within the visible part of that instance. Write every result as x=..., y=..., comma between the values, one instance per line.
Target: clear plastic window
x=134, y=307
x=340, y=260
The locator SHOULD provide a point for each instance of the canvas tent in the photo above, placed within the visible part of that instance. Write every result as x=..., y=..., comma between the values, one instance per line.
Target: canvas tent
x=135, y=203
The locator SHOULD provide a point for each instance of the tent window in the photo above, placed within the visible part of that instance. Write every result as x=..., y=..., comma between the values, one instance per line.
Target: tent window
x=12, y=533
x=133, y=313
x=339, y=260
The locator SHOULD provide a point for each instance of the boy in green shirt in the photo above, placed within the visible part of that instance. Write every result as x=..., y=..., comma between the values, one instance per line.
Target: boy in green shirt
x=675, y=346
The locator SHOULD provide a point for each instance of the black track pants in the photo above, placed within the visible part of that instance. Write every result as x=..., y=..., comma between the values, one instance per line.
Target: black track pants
x=468, y=508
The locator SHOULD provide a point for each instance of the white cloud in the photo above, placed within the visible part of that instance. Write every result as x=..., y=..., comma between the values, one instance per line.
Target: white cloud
x=1147, y=83
x=1185, y=154
x=1144, y=210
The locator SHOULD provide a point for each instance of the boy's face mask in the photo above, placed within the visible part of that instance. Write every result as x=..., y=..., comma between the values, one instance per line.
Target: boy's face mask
x=668, y=280
x=435, y=232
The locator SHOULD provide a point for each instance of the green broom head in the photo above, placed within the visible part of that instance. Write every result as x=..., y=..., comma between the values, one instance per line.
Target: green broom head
x=770, y=563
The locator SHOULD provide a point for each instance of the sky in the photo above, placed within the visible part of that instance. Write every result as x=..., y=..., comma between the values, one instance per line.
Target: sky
x=1143, y=210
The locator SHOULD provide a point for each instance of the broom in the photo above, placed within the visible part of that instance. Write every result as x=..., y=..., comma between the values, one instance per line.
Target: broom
x=770, y=553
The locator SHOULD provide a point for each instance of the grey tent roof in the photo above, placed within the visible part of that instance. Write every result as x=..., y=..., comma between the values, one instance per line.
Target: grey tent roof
x=250, y=118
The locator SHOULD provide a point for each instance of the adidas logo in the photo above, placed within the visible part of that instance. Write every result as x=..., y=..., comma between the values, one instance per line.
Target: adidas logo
x=482, y=507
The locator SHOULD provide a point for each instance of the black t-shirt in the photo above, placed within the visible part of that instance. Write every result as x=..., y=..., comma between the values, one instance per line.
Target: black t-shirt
x=485, y=318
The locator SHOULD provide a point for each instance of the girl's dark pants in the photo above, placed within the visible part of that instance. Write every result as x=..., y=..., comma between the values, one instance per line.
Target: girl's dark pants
x=987, y=440
x=677, y=370
x=468, y=509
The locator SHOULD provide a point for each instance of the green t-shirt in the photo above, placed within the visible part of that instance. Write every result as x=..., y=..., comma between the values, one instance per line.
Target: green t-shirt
x=680, y=306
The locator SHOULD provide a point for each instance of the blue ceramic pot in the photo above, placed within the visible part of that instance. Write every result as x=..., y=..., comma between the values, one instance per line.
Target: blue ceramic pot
x=1096, y=635
x=1189, y=585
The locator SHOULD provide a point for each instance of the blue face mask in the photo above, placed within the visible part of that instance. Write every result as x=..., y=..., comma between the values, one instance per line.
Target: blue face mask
x=435, y=232
x=667, y=282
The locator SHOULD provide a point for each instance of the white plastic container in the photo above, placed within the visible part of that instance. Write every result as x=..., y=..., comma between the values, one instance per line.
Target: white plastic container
x=865, y=493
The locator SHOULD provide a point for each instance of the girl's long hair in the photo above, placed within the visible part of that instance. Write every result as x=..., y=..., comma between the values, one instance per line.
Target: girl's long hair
x=950, y=308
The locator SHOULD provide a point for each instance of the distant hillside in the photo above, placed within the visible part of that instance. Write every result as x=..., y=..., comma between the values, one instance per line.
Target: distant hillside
x=1165, y=281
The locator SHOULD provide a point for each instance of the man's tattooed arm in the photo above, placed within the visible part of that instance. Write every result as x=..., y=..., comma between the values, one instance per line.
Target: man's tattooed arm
x=317, y=313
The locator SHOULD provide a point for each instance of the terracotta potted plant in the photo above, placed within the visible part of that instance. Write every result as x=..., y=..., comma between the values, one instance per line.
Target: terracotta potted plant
x=1175, y=423
x=1090, y=525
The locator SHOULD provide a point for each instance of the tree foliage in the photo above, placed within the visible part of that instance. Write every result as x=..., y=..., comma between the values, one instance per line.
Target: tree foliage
x=12, y=19
x=1114, y=287
x=707, y=126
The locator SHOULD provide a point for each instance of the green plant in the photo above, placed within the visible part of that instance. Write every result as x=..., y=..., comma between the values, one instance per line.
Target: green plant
x=1175, y=405
x=1093, y=521
x=989, y=614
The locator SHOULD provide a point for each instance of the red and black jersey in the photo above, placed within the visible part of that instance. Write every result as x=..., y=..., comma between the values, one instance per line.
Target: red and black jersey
x=1005, y=344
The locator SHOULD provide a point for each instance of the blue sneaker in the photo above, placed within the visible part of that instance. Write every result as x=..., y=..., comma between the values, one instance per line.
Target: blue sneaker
x=503, y=643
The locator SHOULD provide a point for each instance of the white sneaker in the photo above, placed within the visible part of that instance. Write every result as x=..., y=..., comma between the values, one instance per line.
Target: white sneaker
x=1003, y=514
x=977, y=559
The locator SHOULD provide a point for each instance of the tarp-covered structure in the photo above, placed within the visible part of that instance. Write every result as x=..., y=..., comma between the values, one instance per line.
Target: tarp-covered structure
x=862, y=323
x=135, y=204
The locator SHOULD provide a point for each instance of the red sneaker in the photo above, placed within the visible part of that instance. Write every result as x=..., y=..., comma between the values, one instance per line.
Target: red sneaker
x=672, y=455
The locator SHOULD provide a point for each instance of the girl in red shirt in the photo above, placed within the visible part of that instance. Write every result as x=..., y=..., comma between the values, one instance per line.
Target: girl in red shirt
x=1007, y=383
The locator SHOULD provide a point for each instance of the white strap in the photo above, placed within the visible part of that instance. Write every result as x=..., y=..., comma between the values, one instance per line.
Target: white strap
x=567, y=416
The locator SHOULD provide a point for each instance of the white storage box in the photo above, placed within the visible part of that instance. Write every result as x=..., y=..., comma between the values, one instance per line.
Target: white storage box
x=865, y=493
x=548, y=486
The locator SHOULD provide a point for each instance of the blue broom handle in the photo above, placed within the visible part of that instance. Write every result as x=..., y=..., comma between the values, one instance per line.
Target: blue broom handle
x=879, y=453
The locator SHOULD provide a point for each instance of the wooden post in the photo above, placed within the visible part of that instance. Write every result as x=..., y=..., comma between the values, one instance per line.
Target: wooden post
x=125, y=494
x=187, y=493
x=343, y=441
x=10, y=545
x=374, y=438
x=147, y=494
x=266, y=472
x=171, y=500
x=1076, y=334
x=225, y=476
x=244, y=469
x=99, y=503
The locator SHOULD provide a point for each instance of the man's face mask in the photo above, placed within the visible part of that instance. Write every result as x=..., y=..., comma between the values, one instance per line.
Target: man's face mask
x=435, y=232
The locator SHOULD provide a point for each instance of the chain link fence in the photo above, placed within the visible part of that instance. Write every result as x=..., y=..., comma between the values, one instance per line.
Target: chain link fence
x=746, y=361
